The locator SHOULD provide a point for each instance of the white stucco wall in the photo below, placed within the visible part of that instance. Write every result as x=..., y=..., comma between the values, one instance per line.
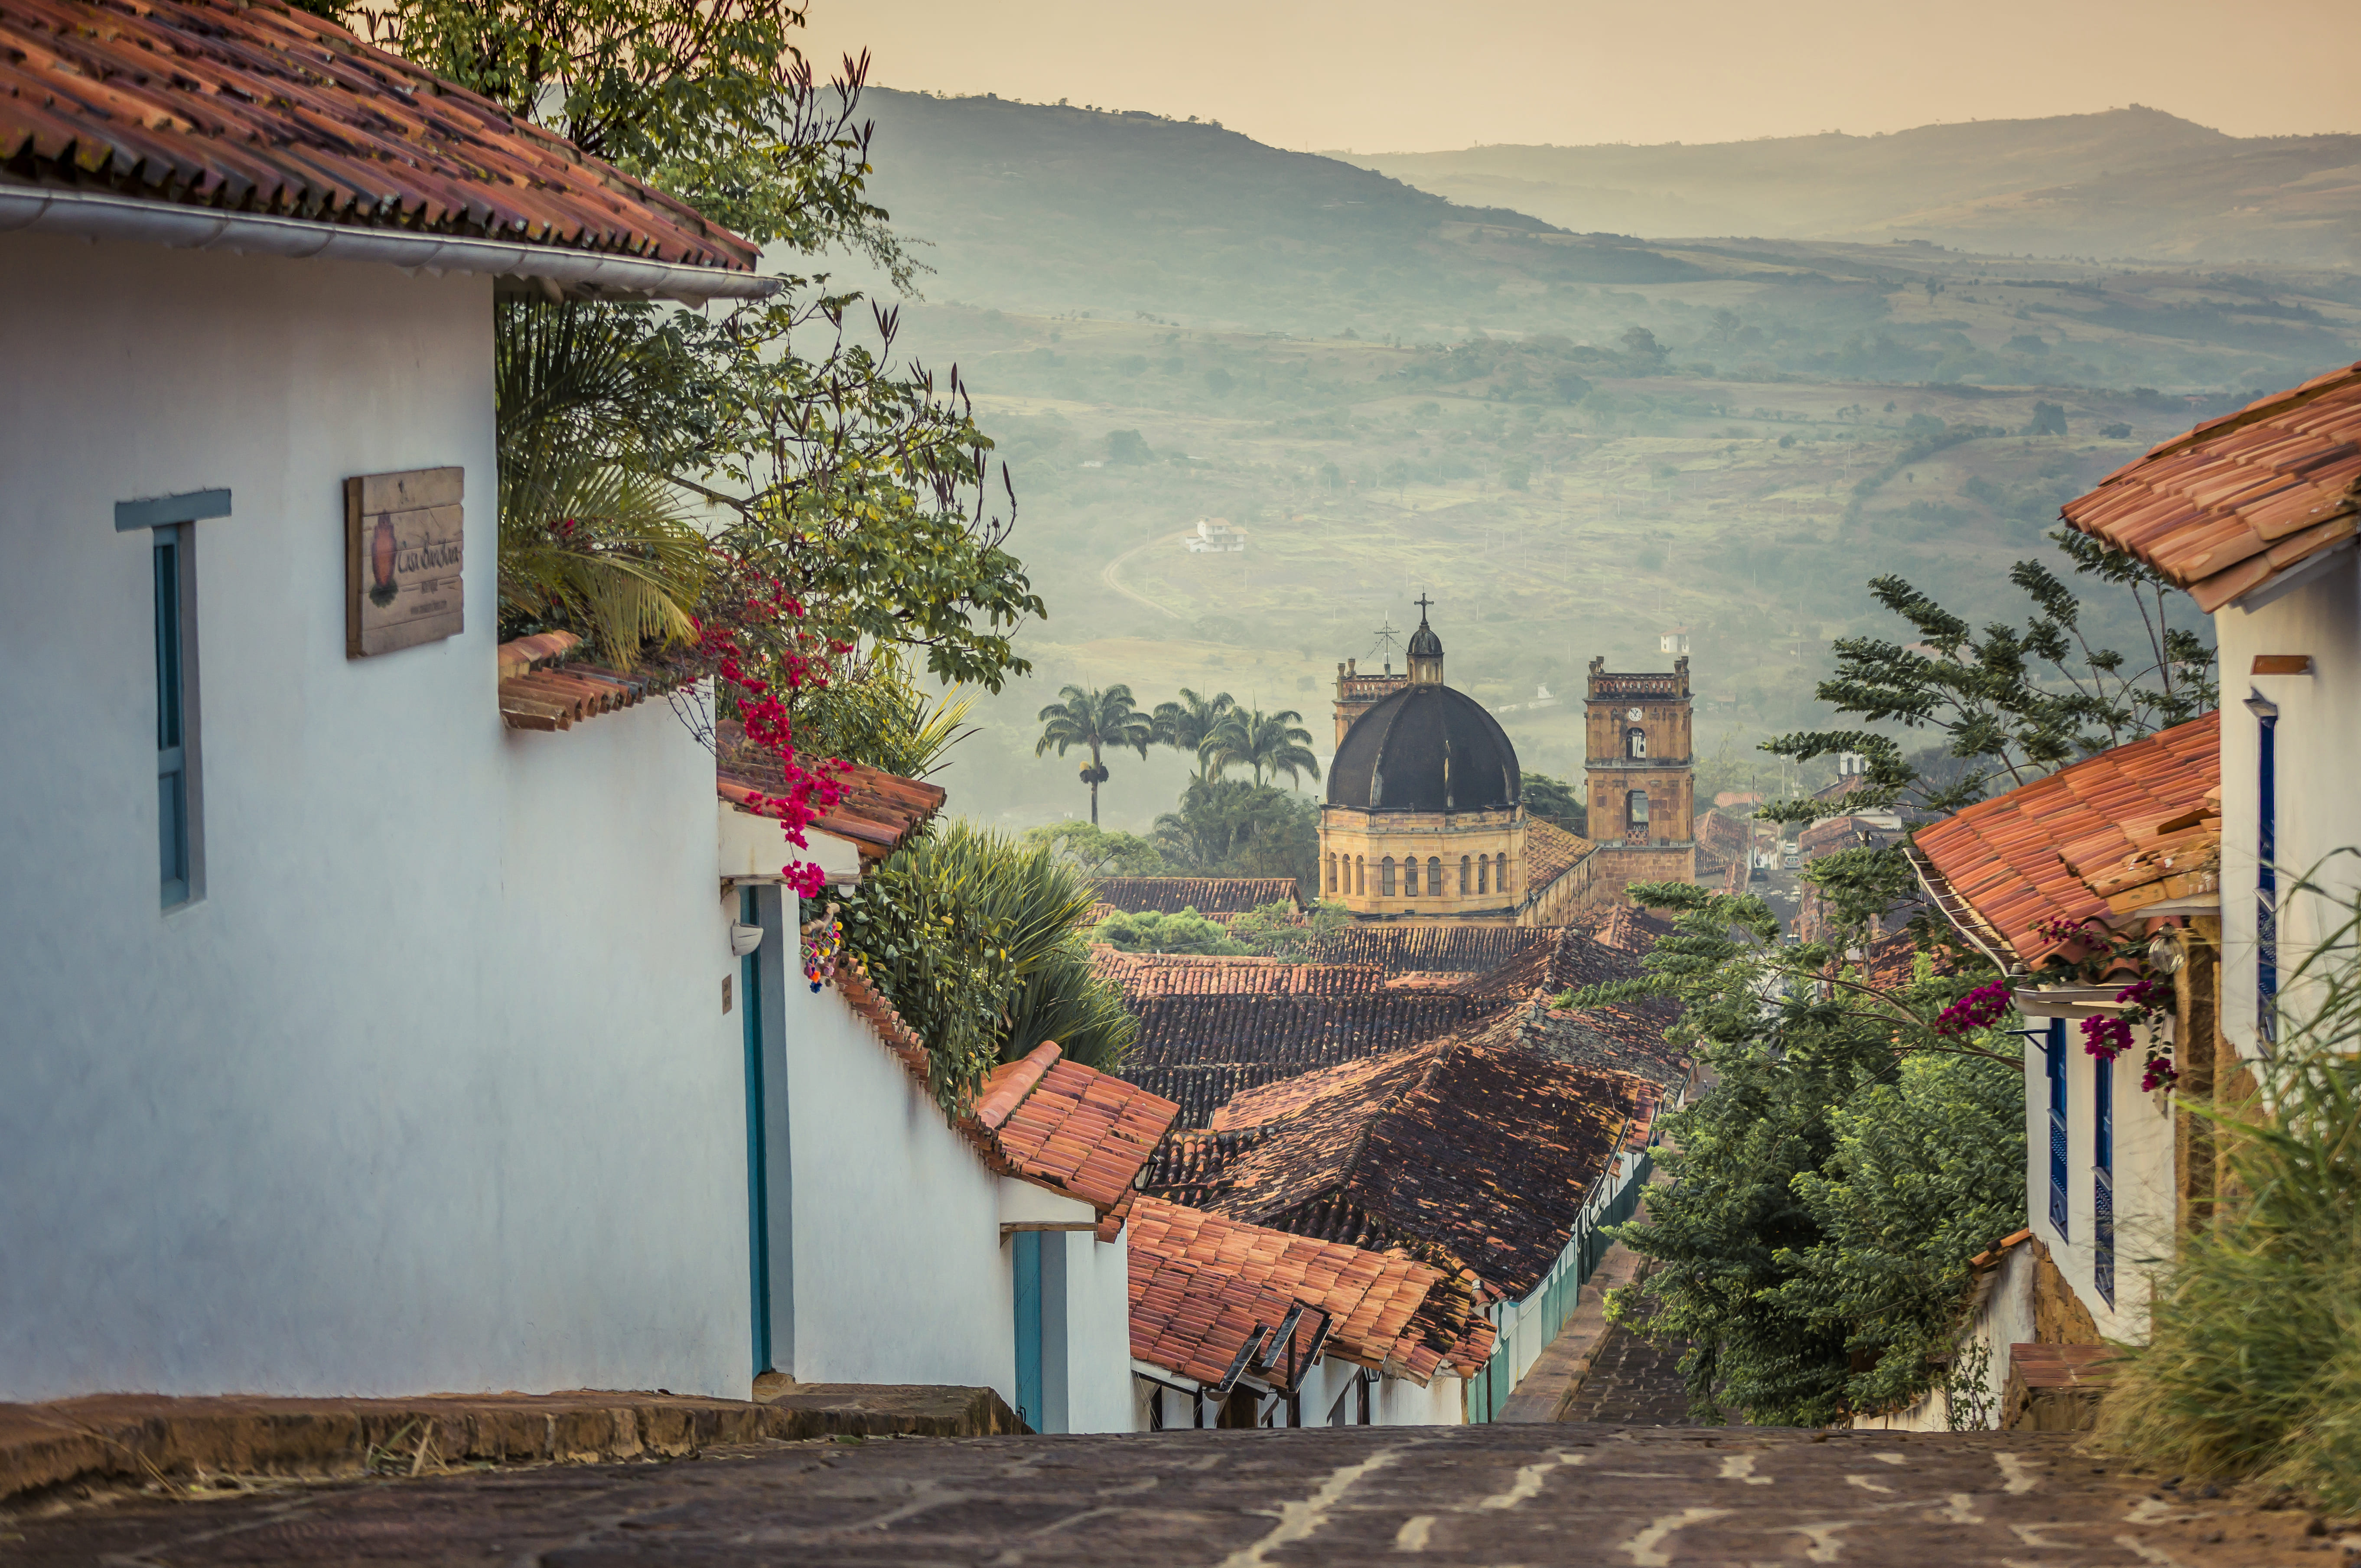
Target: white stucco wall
x=2319, y=755
x=2143, y=1178
x=431, y=1088
x=1098, y=1332
x=900, y=1272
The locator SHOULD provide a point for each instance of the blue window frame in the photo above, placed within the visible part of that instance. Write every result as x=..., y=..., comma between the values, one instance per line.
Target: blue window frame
x=2054, y=1064
x=166, y=520
x=2266, y=878
x=2102, y=1177
x=169, y=552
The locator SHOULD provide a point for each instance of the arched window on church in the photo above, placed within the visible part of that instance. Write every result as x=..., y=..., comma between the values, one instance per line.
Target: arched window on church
x=1635, y=814
x=1483, y=873
x=1466, y=877
x=1386, y=877
x=1410, y=877
x=1500, y=874
x=1360, y=876
x=1331, y=873
x=1434, y=875
x=1635, y=742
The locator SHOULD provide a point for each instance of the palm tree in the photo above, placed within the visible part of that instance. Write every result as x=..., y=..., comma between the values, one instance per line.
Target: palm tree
x=1184, y=725
x=1097, y=719
x=1270, y=743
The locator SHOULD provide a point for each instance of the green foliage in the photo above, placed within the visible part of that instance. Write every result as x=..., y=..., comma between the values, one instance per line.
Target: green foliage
x=2011, y=704
x=1279, y=931
x=871, y=711
x=592, y=404
x=1097, y=719
x=1127, y=446
x=2252, y=1369
x=1187, y=724
x=1776, y=1259
x=1099, y=851
x=1271, y=744
x=972, y=937
x=1231, y=828
x=1153, y=931
x=1555, y=801
x=1922, y=1174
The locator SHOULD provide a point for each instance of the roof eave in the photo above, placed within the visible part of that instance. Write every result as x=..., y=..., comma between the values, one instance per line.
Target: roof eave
x=581, y=274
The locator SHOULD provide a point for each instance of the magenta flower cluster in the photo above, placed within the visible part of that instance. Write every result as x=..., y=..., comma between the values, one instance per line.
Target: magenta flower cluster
x=1978, y=1009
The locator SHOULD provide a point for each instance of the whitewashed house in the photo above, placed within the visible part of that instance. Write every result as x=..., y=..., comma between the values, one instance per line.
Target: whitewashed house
x=2115, y=845
x=368, y=1028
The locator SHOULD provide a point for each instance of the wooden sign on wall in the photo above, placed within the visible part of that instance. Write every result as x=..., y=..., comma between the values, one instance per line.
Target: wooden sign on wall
x=402, y=560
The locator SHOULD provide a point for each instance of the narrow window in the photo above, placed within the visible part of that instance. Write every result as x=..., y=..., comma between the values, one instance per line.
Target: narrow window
x=1465, y=874
x=1360, y=876
x=1332, y=887
x=1386, y=877
x=1410, y=877
x=1483, y=873
x=170, y=551
x=1635, y=743
x=1500, y=874
x=2054, y=1065
x=1434, y=875
x=2102, y=1177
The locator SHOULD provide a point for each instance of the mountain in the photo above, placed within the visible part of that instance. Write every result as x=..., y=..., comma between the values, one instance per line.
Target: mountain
x=2132, y=183
x=1045, y=208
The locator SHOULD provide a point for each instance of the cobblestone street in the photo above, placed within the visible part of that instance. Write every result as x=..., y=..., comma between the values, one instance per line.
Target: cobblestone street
x=1633, y=1498
x=1631, y=1383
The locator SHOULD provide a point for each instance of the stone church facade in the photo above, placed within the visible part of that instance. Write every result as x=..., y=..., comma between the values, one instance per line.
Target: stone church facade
x=1639, y=776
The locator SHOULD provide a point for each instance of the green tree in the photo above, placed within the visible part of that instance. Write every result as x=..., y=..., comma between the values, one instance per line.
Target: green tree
x=1231, y=828
x=1279, y=931
x=1271, y=744
x=1098, y=720
x=1187, y=724
x=1127, y=446
x=1775, y=1261
x=1099, y=851
x=1152, y=931
x=1555, y=801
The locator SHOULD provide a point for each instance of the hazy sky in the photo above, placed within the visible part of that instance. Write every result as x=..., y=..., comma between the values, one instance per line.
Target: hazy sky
x=1386, y=75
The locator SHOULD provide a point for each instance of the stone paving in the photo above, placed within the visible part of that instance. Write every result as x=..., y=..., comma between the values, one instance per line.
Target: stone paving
x=1631, y=1383
x=1660, y=1498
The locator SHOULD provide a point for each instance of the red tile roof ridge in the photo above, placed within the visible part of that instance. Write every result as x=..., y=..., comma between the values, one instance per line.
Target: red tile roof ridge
x=1005, y=1086
x=535, y=693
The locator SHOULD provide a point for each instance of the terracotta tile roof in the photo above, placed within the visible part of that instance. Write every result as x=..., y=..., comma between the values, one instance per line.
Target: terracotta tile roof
x=2006, y=866
x=1144, y=975
x=542, y=687
x=1055, y=1124
x=1430, y=949
x=1070, y=1127
x=1483, y=1153
x=1195, y=1321
x=1202, y=1050
x=1549, y=853
x=261, y=110
x=1721, y=836
x=1210, y=896
x=1387, y=1312
x=256, y=109
x=2240, y=501
x=878, y=811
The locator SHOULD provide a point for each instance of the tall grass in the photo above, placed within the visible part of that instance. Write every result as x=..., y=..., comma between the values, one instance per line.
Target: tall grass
x=2252, y=1366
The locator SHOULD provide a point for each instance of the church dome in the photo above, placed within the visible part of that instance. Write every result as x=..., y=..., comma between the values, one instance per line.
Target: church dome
x=1423, y=642
x=1425, y=748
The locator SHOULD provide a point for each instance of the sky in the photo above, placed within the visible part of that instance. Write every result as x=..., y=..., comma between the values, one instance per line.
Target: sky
x=1389, y=76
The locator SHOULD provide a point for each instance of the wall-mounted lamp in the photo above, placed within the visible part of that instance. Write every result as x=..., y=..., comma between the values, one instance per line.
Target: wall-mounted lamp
x=744, y=939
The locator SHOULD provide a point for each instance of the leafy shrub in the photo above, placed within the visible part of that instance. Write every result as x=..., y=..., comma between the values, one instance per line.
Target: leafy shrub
x=1279, y=931
x=1153, y=931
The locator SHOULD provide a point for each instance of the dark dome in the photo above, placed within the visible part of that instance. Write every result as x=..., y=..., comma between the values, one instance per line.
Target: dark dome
x=1425, y=643
x=1425, y=748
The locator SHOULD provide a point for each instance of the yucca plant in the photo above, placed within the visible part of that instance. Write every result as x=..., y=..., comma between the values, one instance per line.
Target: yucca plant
x=2253, y=1366
x=973, y=936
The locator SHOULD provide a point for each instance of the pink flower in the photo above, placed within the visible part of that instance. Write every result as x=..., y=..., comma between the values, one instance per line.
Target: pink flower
x=2106, y=1038
x=1978, y=1009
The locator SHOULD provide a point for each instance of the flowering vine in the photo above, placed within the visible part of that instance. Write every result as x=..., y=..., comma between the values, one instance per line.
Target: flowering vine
x=2148, y=995
x=1978, y=1009
x=808, y=792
